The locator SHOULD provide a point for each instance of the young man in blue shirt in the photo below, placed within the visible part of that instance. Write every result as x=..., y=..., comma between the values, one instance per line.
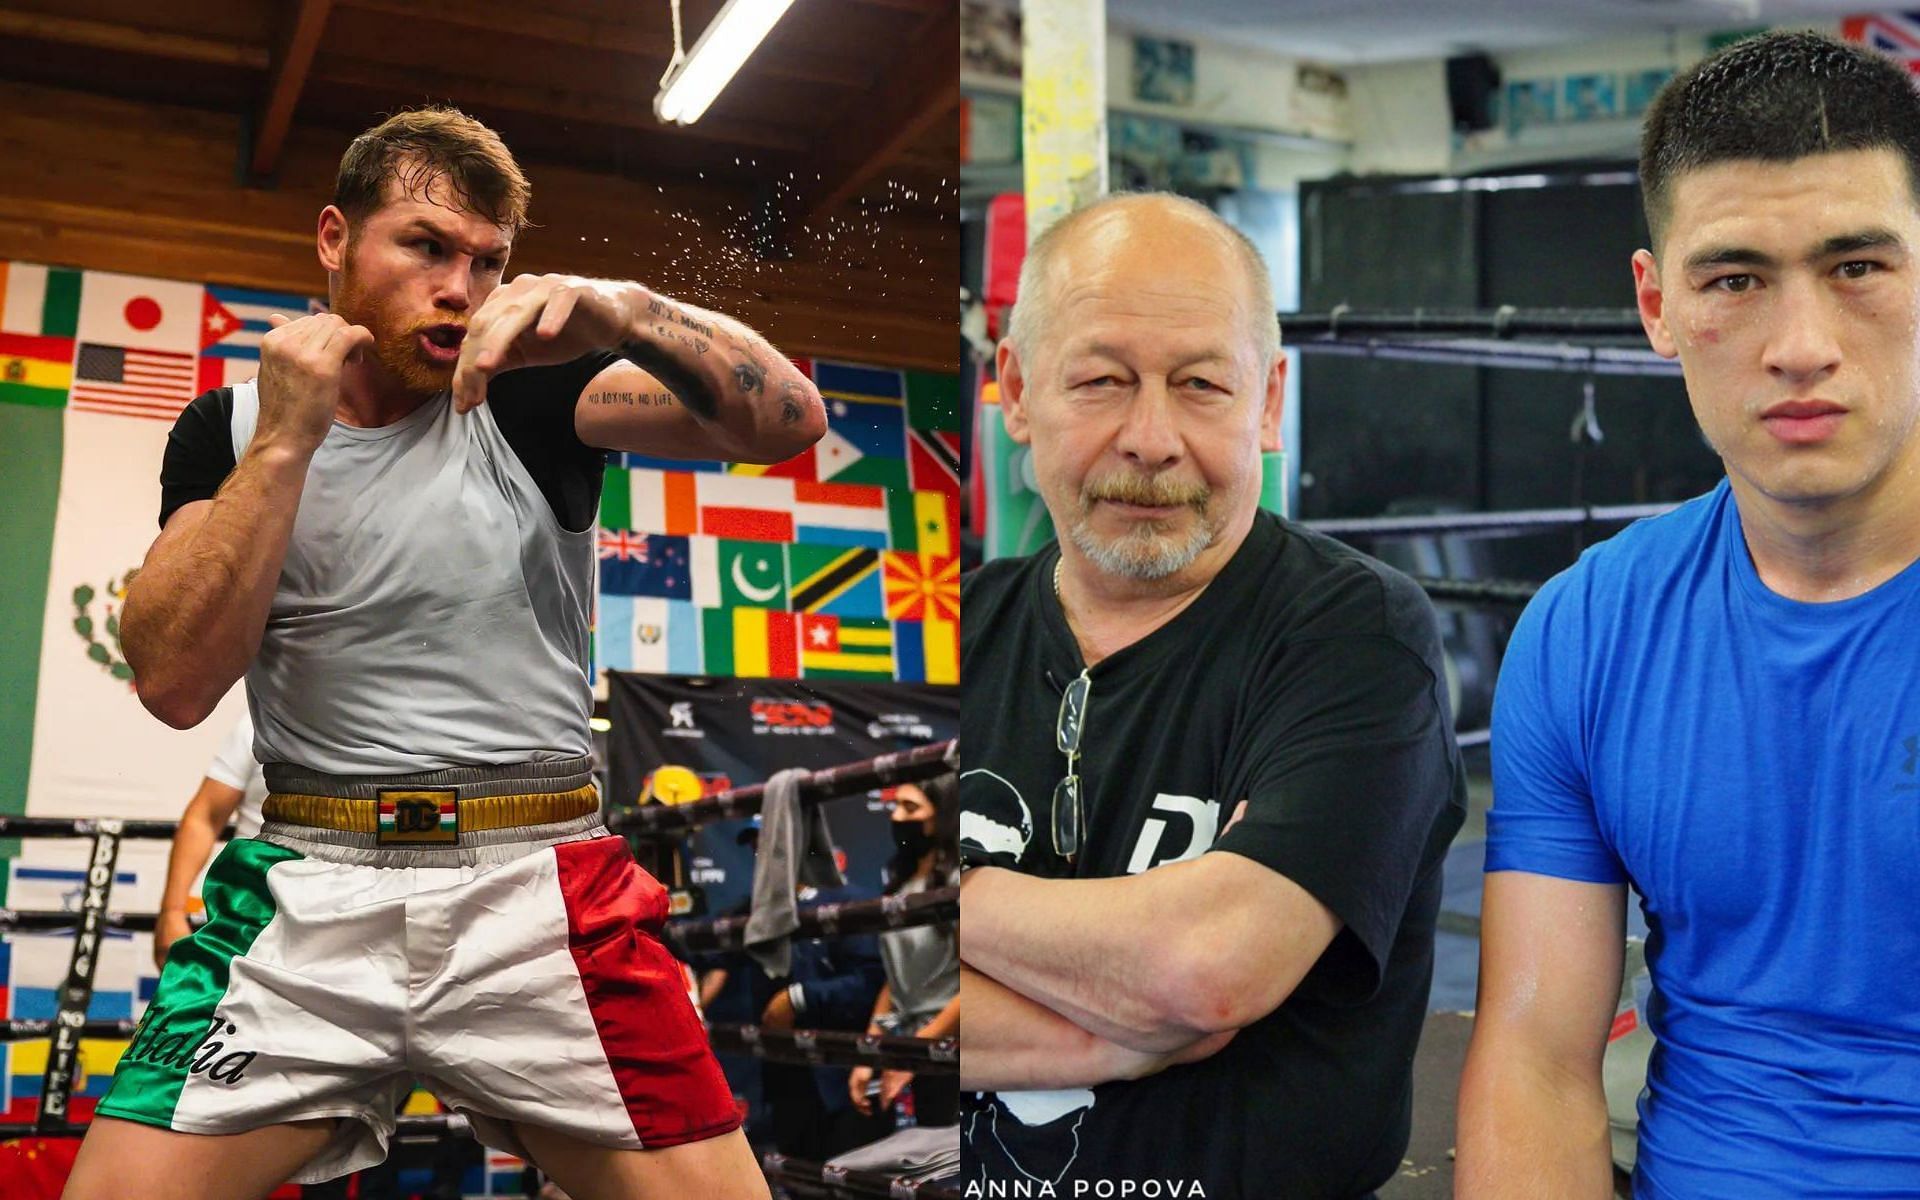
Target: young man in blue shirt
x=1721, y=707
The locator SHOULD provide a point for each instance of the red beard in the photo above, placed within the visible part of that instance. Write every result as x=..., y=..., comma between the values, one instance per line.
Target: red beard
x=396, y=339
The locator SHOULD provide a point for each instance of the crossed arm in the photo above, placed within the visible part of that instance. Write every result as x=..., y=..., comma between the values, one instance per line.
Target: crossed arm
x=1068, y=982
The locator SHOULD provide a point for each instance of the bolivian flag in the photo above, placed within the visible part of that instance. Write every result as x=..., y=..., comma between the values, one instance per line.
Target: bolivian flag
x=845, y=647
x=35, y=370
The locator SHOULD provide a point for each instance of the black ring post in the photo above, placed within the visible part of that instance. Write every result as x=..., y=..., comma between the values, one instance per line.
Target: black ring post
x=56, y=1088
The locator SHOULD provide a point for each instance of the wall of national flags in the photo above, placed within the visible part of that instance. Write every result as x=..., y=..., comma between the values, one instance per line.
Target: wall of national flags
x=840, y=563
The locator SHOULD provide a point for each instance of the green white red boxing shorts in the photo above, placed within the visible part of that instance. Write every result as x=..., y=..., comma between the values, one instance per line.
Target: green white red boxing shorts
x=529, y=988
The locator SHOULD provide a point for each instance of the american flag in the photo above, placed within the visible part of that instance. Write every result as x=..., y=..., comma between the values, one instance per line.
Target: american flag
x=623, y=545
x=128, y=382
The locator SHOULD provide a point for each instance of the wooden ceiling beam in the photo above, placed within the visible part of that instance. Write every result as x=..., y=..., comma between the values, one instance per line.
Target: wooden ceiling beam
x=416, y=83
x=130, y=39
x=923, y=87
x=412, y=82
x=292, y=61
x=625, y=37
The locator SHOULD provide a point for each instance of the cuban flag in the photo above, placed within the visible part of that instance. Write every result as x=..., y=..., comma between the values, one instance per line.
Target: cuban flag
x=232, y=322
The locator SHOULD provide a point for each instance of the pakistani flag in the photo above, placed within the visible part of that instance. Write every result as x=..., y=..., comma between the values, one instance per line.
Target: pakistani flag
x=752, y=574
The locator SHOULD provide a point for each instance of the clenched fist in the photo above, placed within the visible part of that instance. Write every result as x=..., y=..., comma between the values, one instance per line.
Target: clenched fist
x=539, y=320
x=300, y=366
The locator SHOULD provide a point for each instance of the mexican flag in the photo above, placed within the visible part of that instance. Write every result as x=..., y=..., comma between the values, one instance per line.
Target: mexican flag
x=94, y=367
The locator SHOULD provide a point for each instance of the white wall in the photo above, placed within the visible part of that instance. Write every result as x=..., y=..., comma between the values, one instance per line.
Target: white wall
x=1401, y=123
x=1400, y=117
x=1234, y=87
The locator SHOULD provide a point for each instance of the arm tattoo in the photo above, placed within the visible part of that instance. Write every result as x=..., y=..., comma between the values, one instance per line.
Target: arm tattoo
x=749, y=376
x=689, y=387
x=660, y=308
x=633, y=399
x=789, y=406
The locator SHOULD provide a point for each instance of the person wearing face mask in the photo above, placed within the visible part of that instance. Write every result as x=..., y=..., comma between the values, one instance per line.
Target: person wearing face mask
x=922, y=992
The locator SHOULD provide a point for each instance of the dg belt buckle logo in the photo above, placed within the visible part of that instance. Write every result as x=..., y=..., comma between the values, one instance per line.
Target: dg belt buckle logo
x=419, y=818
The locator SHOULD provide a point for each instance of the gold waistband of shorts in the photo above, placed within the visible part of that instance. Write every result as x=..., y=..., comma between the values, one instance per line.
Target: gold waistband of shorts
x=475, y=813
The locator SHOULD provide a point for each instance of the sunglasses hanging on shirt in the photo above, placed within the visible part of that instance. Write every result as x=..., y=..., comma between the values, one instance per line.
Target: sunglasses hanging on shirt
x=1067, y=811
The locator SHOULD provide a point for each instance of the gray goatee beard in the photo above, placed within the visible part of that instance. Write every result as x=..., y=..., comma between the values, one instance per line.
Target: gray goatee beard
x=1143, y=552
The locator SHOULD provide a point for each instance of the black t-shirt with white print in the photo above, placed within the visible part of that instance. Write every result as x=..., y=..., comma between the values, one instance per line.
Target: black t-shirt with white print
x=1307, y=680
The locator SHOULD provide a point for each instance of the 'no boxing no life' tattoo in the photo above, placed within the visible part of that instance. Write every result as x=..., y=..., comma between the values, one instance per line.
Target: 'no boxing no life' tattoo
x=689, y=387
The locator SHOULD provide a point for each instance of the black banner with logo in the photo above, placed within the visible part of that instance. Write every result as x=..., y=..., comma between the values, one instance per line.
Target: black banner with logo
x=670, y=731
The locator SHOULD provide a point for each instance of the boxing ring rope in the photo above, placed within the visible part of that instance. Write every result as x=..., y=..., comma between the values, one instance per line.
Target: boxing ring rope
x=19, y=1029
x=72, y=827
x=841, y=1048
x=1490, y=592
x=816, y=1047
x=808, y=1047
x=840, y=1181
x=1484, y=338
x=1506, y=321
x=694, y=936
x=906, y=766
x=53, y=920
x=1485, y=524
x=431, y=1124
x=899, y=911
x=1521, y=356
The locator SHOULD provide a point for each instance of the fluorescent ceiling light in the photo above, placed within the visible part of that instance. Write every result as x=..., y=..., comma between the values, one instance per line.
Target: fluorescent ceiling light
x=736, y=30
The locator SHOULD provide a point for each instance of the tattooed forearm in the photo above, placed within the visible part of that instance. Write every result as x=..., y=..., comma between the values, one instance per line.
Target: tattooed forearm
x=790, y=404
x=692, y=391
x=633, y=399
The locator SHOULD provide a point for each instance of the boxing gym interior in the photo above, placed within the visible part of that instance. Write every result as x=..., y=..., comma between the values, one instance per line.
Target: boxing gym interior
x=181, y=155
x=1445, y=194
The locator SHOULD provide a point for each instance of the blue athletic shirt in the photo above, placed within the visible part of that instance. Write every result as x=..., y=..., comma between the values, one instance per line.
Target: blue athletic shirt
x=1750, y=764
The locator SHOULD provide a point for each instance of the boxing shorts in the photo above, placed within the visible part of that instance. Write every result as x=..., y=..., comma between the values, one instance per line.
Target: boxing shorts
x=515, y=971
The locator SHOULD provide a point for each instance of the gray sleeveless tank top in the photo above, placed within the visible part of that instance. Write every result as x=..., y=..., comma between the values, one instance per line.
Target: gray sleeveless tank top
x=432, y=611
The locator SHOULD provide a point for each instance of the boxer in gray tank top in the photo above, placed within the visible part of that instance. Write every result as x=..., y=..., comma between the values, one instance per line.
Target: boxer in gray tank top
x=424, y=558
x=389, y=535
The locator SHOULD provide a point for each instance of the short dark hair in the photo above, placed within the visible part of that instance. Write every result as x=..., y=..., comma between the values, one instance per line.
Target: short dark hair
x=1775, y=98
x=421, y=145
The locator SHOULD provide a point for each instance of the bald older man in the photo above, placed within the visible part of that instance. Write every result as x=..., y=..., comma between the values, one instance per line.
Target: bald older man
x=1205, y=810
